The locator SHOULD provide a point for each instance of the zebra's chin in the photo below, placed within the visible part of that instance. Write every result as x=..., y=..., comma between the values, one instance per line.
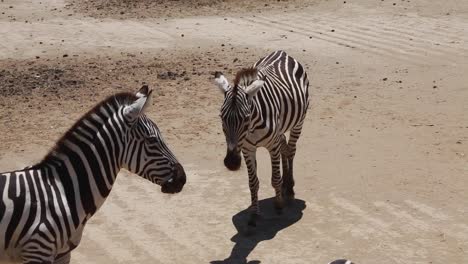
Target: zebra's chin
x=172, y=188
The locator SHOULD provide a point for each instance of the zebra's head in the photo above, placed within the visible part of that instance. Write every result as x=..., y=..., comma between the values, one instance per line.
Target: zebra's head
x=146, y=152
x=236, y=111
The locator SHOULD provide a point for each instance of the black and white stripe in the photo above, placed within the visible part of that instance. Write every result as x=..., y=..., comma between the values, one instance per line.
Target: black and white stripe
x=341, y=261
x=264, y=103
x=44, y=208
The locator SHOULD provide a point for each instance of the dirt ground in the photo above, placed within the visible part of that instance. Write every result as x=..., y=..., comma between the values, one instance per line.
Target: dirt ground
x=381, y=169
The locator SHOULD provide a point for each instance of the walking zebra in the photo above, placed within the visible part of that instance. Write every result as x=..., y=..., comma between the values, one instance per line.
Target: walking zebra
x=264, y=103
x=45, y=207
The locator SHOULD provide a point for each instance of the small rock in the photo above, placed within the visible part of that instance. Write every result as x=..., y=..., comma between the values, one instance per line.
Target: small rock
x=384, y=79
x=162, y=76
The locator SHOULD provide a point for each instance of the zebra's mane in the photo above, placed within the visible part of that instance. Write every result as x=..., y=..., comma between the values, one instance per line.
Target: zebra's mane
x=116, y=100
x=245, y=77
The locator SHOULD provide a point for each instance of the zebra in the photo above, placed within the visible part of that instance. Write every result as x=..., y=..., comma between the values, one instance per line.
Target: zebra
x=264, y=102
x=341, y=261
x=45, y=207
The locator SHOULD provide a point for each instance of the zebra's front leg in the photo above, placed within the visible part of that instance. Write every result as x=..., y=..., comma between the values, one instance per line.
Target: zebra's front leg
x=276, y=179
x=251, y=162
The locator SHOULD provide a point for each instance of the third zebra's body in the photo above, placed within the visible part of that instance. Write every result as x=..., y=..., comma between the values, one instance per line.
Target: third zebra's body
x=264, y=103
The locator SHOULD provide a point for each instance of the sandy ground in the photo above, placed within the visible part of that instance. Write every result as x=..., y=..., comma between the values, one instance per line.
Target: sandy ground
x=382, y=164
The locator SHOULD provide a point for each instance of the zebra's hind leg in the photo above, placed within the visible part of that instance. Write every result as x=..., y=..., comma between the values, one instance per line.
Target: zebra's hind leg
x=251, y=162
x=287, y=191
x=276, y=179
x=288, y=182
x=285, y=153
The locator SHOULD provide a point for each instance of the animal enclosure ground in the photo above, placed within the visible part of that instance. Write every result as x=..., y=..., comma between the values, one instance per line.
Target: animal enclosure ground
x=381, y=165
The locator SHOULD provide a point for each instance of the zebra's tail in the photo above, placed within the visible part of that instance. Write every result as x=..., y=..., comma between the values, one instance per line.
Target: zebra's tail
x=341, y=261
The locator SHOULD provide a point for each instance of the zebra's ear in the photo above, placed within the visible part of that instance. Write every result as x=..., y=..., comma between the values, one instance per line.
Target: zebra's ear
x=144, y=91
x=221, y=82
x=138, y=107
x=253, y=88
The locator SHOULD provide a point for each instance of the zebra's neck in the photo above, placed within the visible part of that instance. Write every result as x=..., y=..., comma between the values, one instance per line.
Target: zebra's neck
x=88, y=158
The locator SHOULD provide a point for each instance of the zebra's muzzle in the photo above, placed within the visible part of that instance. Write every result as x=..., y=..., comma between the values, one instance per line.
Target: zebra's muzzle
x=175, y=183
x=232, y=161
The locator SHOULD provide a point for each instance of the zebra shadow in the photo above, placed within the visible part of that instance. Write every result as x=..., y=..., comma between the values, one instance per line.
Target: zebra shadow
x=268, y=225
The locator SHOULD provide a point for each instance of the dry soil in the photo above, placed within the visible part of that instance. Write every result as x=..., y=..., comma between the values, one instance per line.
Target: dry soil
x=381, y=169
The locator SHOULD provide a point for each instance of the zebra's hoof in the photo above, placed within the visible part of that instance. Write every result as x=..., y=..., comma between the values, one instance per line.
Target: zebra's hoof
x=288, y=194
x=249, y=230
x=252, y=220
x=279, y=211
x=290, y=198
x=279, y=205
